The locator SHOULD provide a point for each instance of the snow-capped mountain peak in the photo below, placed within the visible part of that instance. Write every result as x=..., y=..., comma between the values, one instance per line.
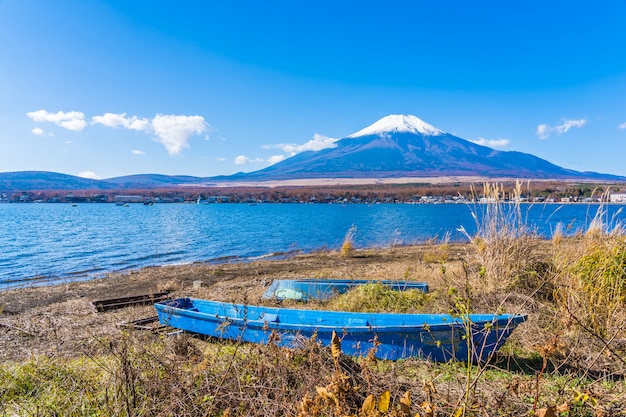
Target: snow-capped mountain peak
x=399, y=123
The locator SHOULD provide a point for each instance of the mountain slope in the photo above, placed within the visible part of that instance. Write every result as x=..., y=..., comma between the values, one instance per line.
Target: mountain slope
x=405, y=146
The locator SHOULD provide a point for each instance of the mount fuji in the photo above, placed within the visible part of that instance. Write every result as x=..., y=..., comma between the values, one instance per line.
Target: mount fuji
x=406, y=146
x=396, y=146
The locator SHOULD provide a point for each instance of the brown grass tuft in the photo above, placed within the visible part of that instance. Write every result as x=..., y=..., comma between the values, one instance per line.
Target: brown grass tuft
x=347, y=247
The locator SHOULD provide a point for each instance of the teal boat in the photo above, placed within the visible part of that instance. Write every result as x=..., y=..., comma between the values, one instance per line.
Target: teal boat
x=311, y=289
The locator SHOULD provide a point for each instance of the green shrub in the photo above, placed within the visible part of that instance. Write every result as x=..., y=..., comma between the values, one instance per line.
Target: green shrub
x=593, y=284
x=49, y=386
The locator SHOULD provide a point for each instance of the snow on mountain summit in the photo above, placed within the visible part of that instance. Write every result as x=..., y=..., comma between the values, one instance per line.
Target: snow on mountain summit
x=399, y=123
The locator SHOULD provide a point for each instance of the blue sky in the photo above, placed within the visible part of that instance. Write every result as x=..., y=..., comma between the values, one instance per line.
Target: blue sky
x=109, y=88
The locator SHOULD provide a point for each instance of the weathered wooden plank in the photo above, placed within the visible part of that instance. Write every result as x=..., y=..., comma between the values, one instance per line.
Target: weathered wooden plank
x=134, y=300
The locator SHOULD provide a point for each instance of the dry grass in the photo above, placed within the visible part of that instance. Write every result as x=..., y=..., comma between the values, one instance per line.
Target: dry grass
x=347, y=246
x=376, y=297
x=507, y=249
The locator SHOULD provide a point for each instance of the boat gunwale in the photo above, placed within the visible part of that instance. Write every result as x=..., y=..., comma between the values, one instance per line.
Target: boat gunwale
x=498, y=321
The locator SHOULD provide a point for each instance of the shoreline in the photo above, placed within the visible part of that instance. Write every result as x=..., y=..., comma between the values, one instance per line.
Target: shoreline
x=61, y=319
x=44, y=281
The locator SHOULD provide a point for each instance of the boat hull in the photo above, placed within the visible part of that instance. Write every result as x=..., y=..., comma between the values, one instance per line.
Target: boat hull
x=324, y=289
x=438, y=337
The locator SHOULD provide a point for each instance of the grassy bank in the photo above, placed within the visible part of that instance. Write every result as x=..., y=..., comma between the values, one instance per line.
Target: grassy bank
x=568, y=359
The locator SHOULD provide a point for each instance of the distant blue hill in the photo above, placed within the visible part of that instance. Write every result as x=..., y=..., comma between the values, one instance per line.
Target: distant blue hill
x=43, y=180
x=395, y=146
x=152, y=181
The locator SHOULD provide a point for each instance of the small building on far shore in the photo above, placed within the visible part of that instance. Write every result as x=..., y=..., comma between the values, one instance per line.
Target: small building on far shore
x=128, y=199
x=219, y=199
x=619, y=197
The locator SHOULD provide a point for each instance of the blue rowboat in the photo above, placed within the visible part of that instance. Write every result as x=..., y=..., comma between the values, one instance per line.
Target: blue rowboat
x=324, y=289
x=439, y=337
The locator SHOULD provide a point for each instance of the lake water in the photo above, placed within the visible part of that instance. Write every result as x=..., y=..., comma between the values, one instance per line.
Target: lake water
x=50, y=243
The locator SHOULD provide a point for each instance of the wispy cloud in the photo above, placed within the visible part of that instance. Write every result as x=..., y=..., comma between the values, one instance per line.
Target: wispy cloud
x=89, y=174
x=492, y=143
x=120, y=120
x=72, y=120
x=137, y=152
x=40, y=132
x=622, y=126
x=544, y=131
x=274, y=159
x=244, y=160
x=318, y=143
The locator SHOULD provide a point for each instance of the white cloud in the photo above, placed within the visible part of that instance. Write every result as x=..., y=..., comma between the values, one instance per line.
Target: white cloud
x=221, y=159
x=544, y=131
x=622, y=126
x=243, y=160
x=40, y=132
x=89, y=174
x=492, y=143
x=318, y=143
x=568, y=124
x=174, y=132
x=137, y=152
x=116, y=120
x=72, y=120
x=274, y=159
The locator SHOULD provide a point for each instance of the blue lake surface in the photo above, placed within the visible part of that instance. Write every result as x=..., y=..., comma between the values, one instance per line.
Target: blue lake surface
x=51, y=243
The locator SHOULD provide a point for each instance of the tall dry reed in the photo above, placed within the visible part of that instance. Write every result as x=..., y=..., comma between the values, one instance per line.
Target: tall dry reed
x=504, y=242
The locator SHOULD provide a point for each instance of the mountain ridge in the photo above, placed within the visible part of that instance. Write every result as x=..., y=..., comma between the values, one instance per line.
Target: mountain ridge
x=395, y=146
x=404, y=145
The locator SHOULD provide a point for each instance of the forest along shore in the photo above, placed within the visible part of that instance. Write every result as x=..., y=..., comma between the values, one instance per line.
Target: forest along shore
x=62, y=320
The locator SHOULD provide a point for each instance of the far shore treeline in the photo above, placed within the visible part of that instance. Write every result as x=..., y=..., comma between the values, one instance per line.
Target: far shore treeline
x=540, y=191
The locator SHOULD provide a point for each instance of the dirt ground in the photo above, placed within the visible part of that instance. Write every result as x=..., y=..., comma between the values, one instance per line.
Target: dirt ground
x=62, y=320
